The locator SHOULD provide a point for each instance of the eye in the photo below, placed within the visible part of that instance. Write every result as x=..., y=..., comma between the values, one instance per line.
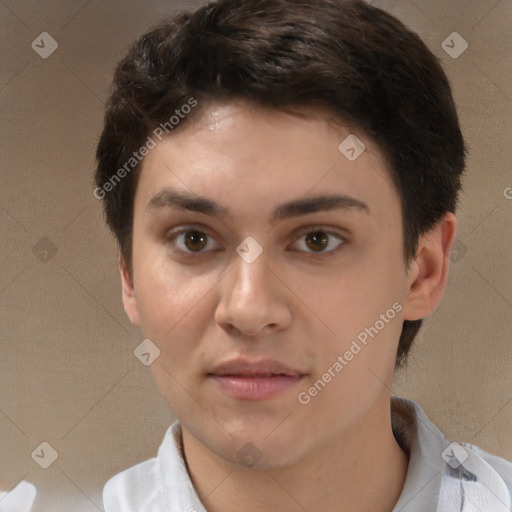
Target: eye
x=316, y=240
x=192, y=241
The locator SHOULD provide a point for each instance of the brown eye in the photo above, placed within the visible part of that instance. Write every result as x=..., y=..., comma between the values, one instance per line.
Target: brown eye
x=188, y=242
x=317, y=240
x=195, y=240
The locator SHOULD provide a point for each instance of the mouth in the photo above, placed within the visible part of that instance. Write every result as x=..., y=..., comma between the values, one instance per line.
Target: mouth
x=261, y=380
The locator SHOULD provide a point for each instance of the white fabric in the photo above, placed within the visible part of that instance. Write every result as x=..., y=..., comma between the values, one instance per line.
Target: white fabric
x=19, y=499
x=442, y=476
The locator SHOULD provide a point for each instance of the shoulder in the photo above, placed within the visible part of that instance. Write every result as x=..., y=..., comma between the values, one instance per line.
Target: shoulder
x=448, y=473
x=475, y=479
x=134, y=489
x=160, y=483
x=502, y=468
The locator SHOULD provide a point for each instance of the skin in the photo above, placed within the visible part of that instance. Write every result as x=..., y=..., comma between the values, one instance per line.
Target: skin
x=295, y=303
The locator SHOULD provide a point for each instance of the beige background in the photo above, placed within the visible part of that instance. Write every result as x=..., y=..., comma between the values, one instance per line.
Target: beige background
x=68, y=375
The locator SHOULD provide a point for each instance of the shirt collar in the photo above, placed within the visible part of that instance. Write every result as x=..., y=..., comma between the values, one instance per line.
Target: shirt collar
x=424, y=443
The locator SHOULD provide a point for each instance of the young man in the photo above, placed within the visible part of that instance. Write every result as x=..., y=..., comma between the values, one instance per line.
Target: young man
x=282, y=178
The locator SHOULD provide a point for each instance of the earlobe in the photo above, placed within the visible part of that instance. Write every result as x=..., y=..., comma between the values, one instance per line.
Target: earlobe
x=128, y=290
x=428, y=274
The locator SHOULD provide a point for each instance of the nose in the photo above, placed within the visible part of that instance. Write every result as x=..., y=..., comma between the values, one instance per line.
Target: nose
x=254, y=301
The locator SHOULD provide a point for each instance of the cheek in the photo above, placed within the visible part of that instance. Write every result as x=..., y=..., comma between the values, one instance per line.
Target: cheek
x=175, y=310
x=361, y=304
x=172, y=304
x=355, y=298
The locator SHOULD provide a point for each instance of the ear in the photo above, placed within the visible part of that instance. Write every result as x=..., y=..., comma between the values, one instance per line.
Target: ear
x=428, y=274
x=129, y=296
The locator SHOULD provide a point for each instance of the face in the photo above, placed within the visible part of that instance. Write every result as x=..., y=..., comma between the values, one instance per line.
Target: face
x=268, y=270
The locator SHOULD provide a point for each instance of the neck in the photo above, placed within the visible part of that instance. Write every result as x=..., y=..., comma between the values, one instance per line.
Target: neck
x=363, y=469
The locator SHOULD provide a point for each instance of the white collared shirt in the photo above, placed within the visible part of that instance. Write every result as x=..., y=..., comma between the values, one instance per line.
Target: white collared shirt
x=442, y=476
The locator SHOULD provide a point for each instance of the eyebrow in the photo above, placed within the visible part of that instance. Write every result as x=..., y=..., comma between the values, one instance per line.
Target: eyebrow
x=303, y=206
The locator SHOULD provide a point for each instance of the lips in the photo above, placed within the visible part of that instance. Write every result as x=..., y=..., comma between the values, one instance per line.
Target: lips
x=262, y=368
x=258, y=380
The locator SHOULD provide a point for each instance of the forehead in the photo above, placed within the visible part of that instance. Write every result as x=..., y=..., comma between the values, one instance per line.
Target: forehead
x=240, y=153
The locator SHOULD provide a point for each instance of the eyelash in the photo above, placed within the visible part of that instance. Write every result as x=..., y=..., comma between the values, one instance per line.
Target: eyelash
x=171, y=237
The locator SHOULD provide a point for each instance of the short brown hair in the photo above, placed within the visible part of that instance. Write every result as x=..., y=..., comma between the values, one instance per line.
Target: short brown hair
x=358, y=61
